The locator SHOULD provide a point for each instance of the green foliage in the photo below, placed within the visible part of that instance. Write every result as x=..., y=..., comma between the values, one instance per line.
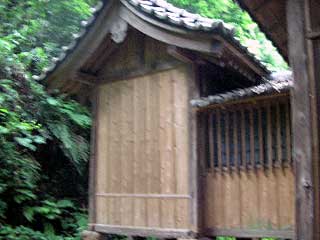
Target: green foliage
x=247, y=30
x=43, y=136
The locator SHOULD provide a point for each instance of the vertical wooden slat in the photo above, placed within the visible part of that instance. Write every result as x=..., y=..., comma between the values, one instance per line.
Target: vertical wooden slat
x=252, y=144
x=227, y=141
x=149, y=148
x=279, y=139
x=249, y=199
x=116, y=149
x=264, y=195
x=219, y=148
x=243, y=141
x=260, y=134
x=111, y=155
x=211, y=140
x=288, y=133
x=154, y=204
x=166, y=150
x=102, y=155
x=285, y=201
x=231, y=201
x=269, y=137
x=218, y=195
x=180, y=86
x=140, y=181
x=235, y=141
x=93, y=157
x=128, y=148
x=210, y=201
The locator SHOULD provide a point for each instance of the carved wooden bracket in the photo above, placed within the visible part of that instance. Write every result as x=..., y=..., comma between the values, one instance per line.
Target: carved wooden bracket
x=119, y=30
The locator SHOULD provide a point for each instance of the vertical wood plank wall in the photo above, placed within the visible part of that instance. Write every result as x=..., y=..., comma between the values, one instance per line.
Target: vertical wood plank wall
x=142, y=151
x=250, y=200
x=259, y=194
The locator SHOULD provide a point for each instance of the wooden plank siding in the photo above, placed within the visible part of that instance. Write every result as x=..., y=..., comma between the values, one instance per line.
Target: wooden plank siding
x=260, y=195
x=263, y=201
x=143, y=152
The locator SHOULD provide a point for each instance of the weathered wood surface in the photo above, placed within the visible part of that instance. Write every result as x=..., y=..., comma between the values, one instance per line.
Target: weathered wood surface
x=143, y=152
x=303, y=18
x=253, y=200
x=256, y=193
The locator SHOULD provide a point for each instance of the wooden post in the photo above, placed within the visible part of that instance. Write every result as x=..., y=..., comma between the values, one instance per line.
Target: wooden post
x=92, y=164
x=305, y=107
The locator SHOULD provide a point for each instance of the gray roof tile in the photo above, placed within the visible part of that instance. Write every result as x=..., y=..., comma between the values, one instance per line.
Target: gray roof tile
x=281, y=82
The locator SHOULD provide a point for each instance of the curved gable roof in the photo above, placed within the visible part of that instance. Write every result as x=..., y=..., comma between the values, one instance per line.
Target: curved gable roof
x=155, y=18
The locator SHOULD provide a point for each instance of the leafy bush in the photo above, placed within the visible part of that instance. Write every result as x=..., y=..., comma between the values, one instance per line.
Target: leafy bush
x=44, y=137
x=247, y=30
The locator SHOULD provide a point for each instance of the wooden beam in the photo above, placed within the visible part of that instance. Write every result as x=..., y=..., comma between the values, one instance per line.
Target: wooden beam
x=92, y=163
x=250, y=233
x=305, y=95
x=141, y=195
x=313, y=35
x=140, y=70
x=143, y=231
x=85, y=78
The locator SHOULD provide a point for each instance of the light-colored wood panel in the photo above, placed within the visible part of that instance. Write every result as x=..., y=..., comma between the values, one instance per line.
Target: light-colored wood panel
x=115, y=155
x=264, y=199
x=127, y=151
x=285, y=206
x=258, y=200
x=181, y=145
x=101, y=155
x=102, y=214
x=148, y=150
x=140, y=177
x=218, y=194
x=166, y=148
x=182, y=219
x=168, y=213
x=153, y=208
x=249, y=199
x=273, y=199
x=232, y=204
x=210, y=201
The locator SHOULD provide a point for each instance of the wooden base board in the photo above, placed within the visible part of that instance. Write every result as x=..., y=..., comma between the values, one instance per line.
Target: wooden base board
x=250, y=233
x=143, y=231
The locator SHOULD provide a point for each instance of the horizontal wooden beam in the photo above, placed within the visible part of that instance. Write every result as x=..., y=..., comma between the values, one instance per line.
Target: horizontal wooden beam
x=138, y=71
x=249, y=100
x=143, y=231
x=85, y=78
x=250, y=233
x=137, y=195
x=313, y=35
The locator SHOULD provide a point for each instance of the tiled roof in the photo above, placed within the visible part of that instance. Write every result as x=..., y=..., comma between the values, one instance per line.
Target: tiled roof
x=280, y=82
x=162, y=11
x=167, y=12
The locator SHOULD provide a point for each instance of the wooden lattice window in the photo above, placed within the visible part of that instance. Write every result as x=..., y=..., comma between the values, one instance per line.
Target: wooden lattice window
x=249, y=136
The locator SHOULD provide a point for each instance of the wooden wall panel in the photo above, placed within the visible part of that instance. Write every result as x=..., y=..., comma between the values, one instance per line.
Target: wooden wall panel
x=143, y=153
x=252, y=200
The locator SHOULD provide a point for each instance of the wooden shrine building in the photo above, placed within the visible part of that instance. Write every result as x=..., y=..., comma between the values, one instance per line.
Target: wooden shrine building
x=191, y=135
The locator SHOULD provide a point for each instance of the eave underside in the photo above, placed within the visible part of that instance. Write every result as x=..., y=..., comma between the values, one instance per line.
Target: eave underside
x=270, y=15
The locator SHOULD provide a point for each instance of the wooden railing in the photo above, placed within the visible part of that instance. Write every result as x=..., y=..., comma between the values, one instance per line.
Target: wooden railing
x=244, y=137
